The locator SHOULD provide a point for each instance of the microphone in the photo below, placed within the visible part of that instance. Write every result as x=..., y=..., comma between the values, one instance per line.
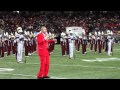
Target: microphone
x=46, y=35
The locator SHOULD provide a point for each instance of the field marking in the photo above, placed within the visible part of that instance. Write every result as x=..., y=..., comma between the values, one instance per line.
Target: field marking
x=101, y=59
x=18, y=74
x=53, y=77
x=79, y=66
x=73, y=65
x=6, y=69
x=87, y=66
x=24, y=75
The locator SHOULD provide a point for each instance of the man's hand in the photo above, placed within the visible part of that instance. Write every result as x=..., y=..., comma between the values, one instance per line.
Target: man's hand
x=55, y=40
x=46, y=36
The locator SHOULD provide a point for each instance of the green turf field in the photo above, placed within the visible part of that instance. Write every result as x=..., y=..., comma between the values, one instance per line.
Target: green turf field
x=89, y=66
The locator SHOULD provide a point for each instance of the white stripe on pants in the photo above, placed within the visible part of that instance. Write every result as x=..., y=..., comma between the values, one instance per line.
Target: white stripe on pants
x=109, y=48
x=19, y=52
x=71, y=50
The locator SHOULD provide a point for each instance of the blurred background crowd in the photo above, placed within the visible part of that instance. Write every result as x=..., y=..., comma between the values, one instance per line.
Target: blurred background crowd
x=57, y=21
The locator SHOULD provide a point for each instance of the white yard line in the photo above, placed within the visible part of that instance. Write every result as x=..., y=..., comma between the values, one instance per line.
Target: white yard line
x=101, y=59
x=53, y=77
x=24, y=75
x=79, y=66
x=18, y=74
x=65, y=65
x=73, y=65
x=6, y=69
x=87, y=66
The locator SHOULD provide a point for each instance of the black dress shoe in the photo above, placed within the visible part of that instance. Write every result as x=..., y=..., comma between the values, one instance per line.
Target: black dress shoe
x=46, y=77
x=40, y=78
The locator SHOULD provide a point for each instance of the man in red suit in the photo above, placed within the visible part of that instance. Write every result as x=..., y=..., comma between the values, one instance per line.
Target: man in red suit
x=43, y=53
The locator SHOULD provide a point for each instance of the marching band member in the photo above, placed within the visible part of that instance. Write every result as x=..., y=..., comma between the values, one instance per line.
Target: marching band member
x=63, y=43
x=2, y=46
x=51, y=44
x=106, y=44
x=26, y=45
x=34, y=44
x=76, y=42
x=84, y=44
x=30, y=46
x=95, y=44
x=20, y=43
x=110, y=42
x=67, y=43
x=71, y=44
x=90, y=40
x=9, y=46
x=5, y=40
x=103, y=42
x=13, y=45
x=99, y=42
x=79, y=42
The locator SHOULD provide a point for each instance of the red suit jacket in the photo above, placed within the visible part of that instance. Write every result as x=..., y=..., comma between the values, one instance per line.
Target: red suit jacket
x=42, y=45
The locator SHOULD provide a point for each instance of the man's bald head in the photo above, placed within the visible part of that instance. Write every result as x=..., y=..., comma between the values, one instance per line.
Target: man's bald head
x=43, y=29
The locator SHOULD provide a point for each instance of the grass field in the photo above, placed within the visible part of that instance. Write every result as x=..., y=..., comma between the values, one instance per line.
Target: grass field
x=89, y=66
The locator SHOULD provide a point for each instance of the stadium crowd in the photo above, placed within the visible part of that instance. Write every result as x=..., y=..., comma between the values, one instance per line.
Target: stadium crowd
x=57, y=21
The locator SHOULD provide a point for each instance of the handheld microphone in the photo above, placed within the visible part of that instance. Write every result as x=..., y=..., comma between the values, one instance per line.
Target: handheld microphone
x=46, y=35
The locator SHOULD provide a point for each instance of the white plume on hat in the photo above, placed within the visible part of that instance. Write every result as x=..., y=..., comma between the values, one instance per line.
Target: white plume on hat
x=28, y=33
x=111, y=32
x=12, y=36
x=99, y=33
x=9, y=36
x=83, y=31
x=62, y=34
x=16, y=33
x=6, y=33
x=25, y=32
x=102, y=32
x=108, y=31
x=95, y=33
x=11, y=33
x=90, y=34
x=19, y=29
